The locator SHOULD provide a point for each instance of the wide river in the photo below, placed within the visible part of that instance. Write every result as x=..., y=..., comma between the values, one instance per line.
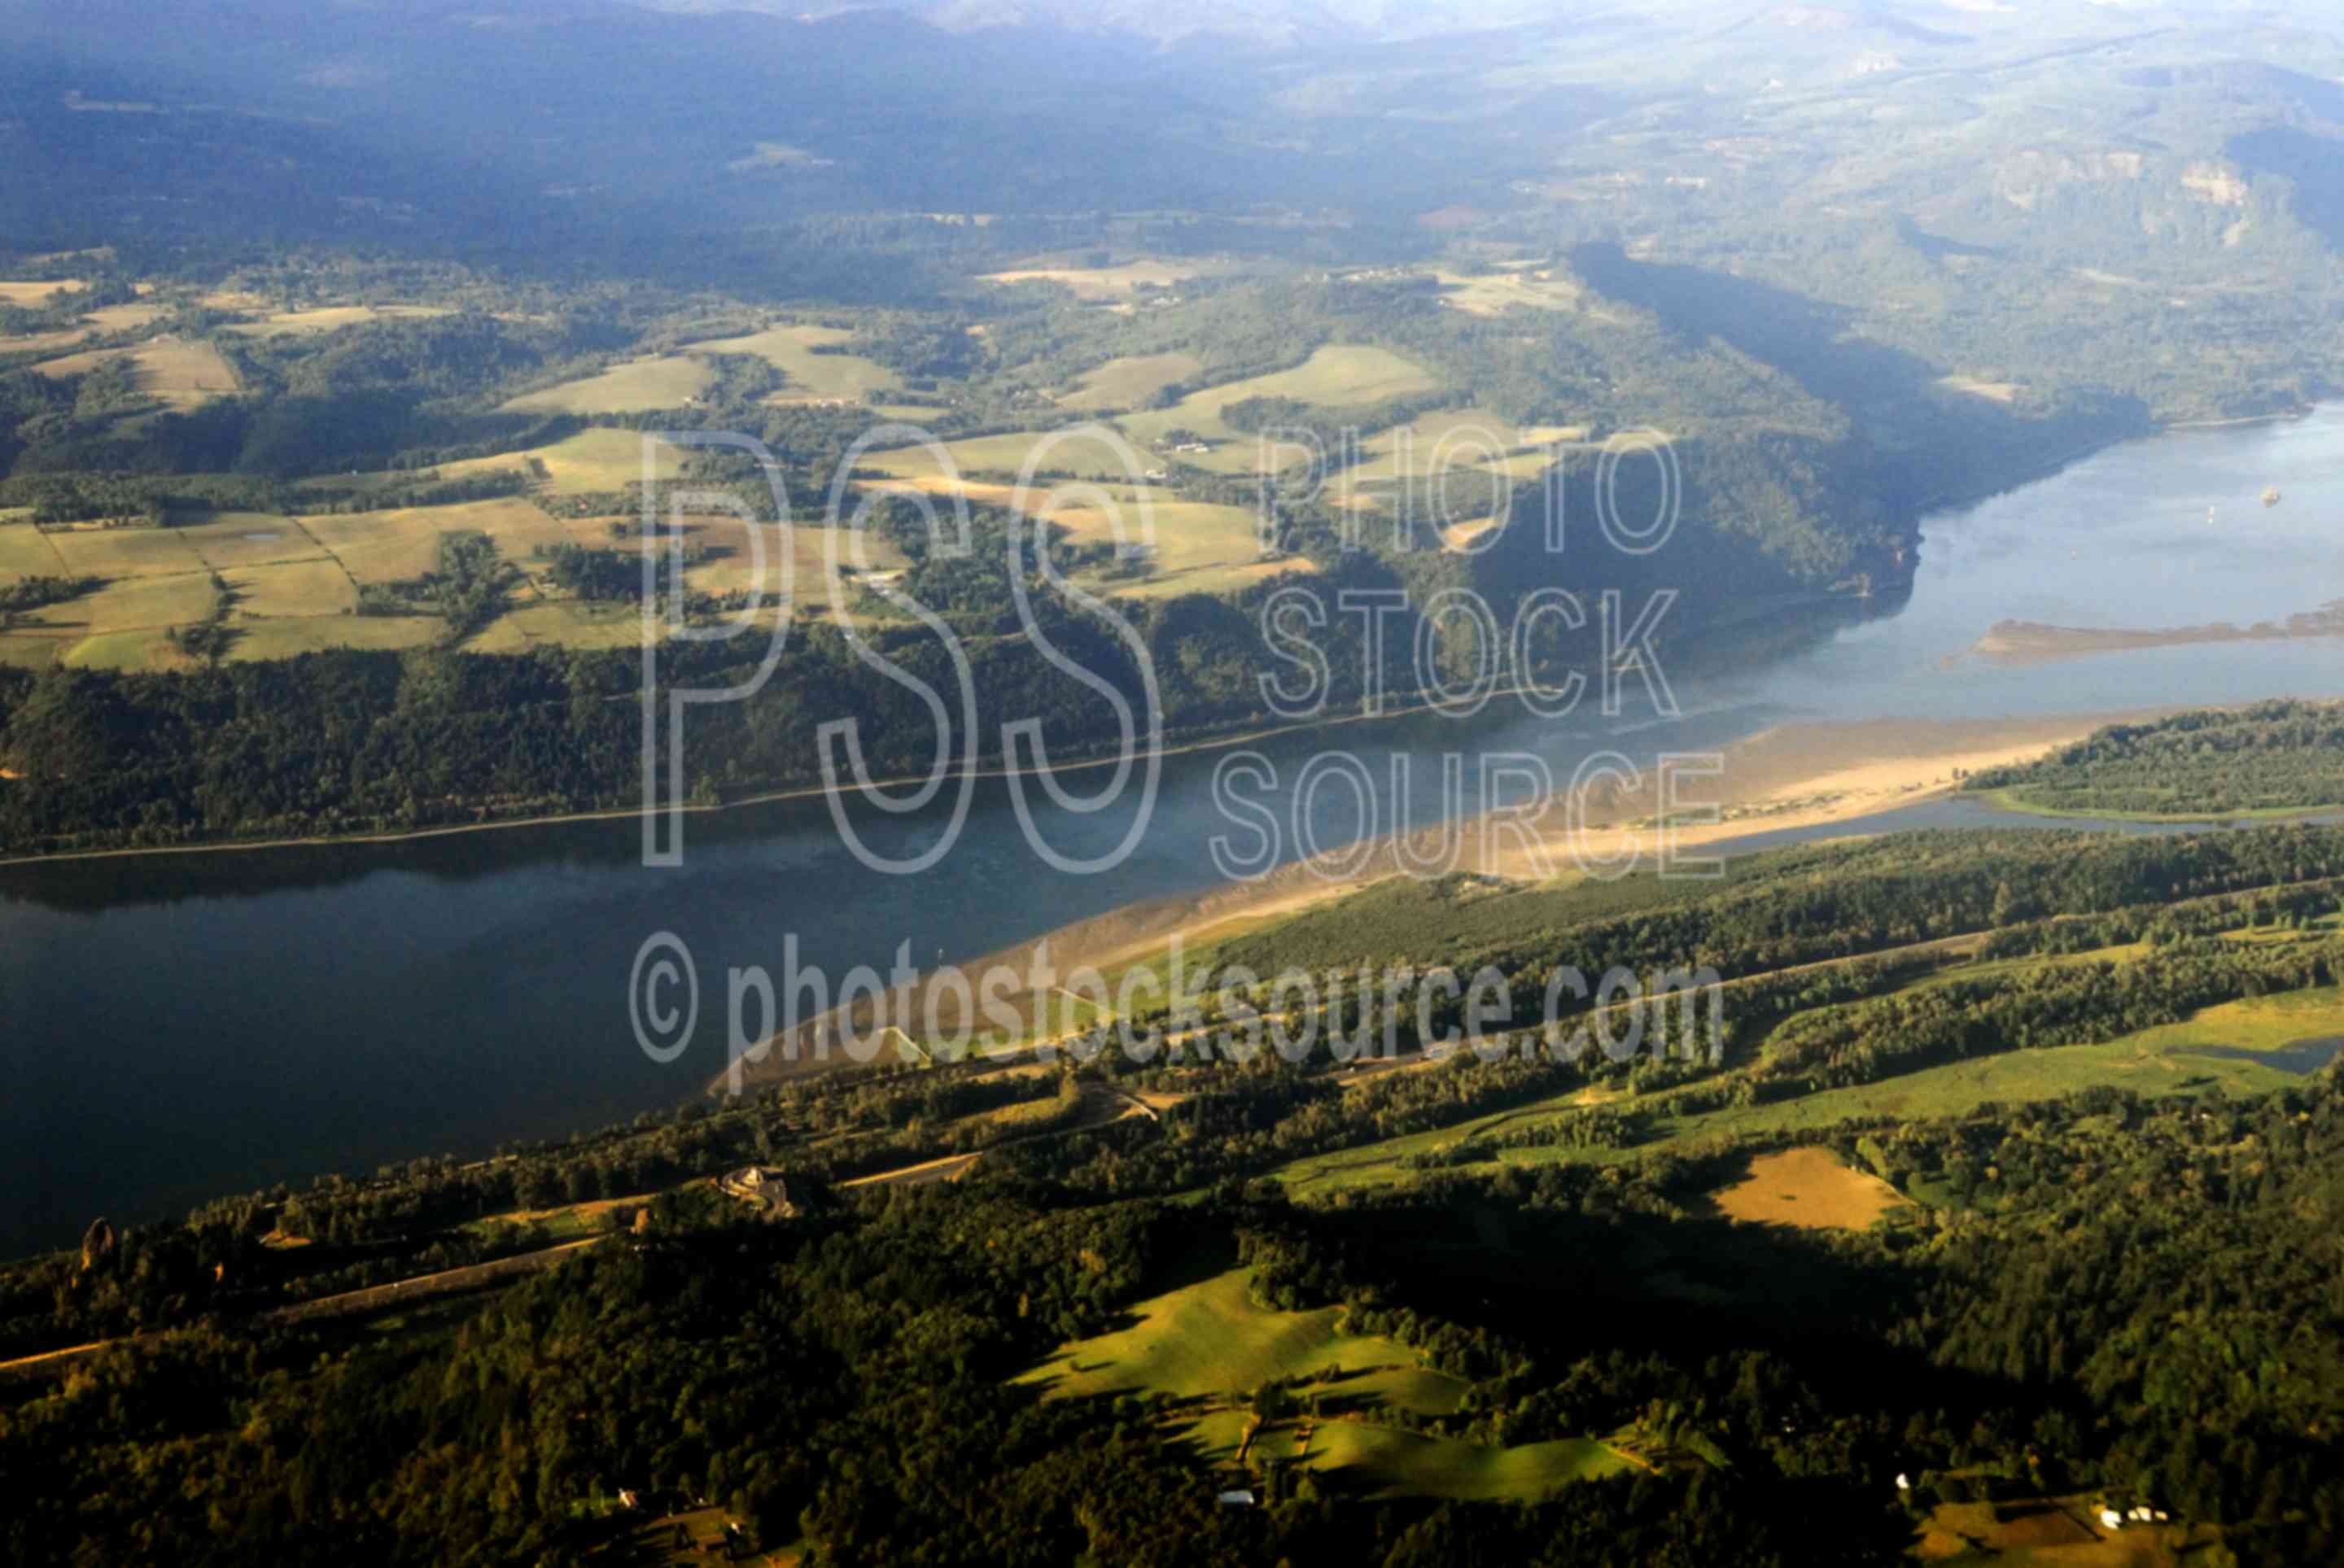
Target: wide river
x=175, y=1026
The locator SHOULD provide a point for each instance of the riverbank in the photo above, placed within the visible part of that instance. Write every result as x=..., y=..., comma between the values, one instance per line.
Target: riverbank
x=1800, y=776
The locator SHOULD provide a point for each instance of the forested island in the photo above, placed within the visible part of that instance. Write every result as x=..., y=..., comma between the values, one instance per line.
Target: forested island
x=2268, y=759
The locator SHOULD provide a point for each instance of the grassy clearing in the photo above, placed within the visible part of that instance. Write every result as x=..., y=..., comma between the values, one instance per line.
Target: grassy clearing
x=1212, y=1338
x=331, y=319
x=132, y=603
x=102, y=322
x=591, y=462
x=143, y=650
x=181, y=373
x=403, y=544
x=312, y=587
x=564, y=624
x=1450, y=439
x=124, y=552
x=1495, y=293
x=31, y=296
x=1106, y=283
x=1198, y=547
x=1341, y=376
x=286, y=638
x=798, y=565
x=813, y=376
x=1809, y=1189
x=35, y=651
x=1129, y=382
x=2158, y=1061
x=227, y=539
x=670, y=382
x=1209, y=1344
x=25, y=552
x=1992, y=391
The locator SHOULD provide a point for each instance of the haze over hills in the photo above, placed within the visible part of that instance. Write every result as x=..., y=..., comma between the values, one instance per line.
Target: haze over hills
x=574, y=419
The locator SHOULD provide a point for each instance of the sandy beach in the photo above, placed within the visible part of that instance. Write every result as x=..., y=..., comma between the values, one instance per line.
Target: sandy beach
x=1801, y=775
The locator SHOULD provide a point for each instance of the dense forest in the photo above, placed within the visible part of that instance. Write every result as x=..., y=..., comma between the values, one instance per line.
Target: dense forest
x=2266, y=758
x=2062, y=1309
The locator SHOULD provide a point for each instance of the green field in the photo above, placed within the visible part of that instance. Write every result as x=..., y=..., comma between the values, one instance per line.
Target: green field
x=25, y=552
x=227, y=539
x=291, y=588
x=847, y=377
x=668, y=382
x=1209, y=1345
x=331, y=318
x=403, y=544
x=1129, y=382
x=316, y=633
x=601, y=458
x=1341, y=376
x=180, y=374
x=2161, y=1061
x=124, y=552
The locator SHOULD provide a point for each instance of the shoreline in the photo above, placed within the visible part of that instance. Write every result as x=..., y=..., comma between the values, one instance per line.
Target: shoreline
x=1208, y=741
x=1801, y=774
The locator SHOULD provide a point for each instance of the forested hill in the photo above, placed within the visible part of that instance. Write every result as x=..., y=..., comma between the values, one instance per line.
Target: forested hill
x=2047, y=1226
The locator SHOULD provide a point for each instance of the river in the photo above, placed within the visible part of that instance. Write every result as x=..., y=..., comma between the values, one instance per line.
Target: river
x=175, y=1026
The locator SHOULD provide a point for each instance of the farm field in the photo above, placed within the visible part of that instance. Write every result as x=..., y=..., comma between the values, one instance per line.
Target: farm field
x=1495, y=293
x=1106, y=283
x=25, y=552
x=669, y=382
x=124, y=552
x=2161, y=1061
x=1129, y=382
x=331, y=319
x=292, y=588
x=1452, y=439
x=813, y=581
x=591, y=461
x=248, y=539
x=292, y=636
x=105, y=320
x=395, y=546
x=1339, y=376
x=180, y=374
x=792, y=350
x=1810, y=1189
x=30, y=296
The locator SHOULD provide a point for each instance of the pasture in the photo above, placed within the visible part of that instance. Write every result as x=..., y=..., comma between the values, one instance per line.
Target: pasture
x=670, y=381
x=292, y=588
x=25, y=552
x=331, y=319
x=104, y=321
x=287, y=638
x=809, y=565
x=792, y=350
x=32, y=295
x=125, y=552
x=1495, y=293
x=181, y=373
x=398, y=546
x=1338, y=376
x=1129, y=382
x=1097, y=283
x=227, y=539
x=1810, y=1189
